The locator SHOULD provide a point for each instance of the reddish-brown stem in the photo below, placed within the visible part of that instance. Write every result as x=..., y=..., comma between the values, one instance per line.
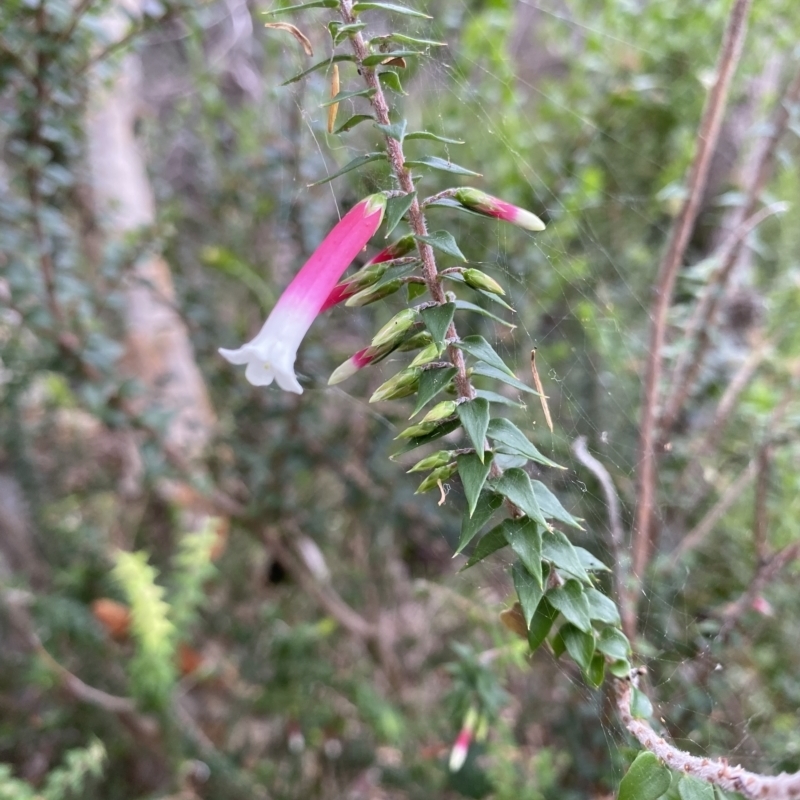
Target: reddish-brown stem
x=707, y=136
x=416, y=216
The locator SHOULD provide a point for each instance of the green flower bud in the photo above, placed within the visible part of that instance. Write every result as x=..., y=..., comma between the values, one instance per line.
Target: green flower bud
x=395, y=327
x=433, y=461
x=421, y=339
x=441, y=410
x=402, y=247
x=440, y=474
x=480, y=280
x=371, y=294
x=425, y=355
x=401, y=385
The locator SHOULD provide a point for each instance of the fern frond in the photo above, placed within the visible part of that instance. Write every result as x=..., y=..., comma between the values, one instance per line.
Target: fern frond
x=81, y=764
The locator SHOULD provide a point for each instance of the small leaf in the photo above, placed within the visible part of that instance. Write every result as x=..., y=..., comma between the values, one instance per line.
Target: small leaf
x=441, y=430
x=376, y=59
x=415, y=291
x=395, y=130
x=602, y=608
x=338, y=98
x=360, y=161
x=403, y=39
x=391, y=80
x=579, y=644
x=431, y=382
x=474, y=416
x=647, y=779
x=319, y=65
x=525, y=539
x=296, y=32
x=437, y=320
x=620, y=669
x=614, y=644
x=590, y=563
x=351, y=123
x=396, y=207
x=492, y=542
x=464, y=305
x=596, y=672
x=432, y=137
x=493, y=397
x=481, y=350
x=393, y=7
x=441, y=164
x=543, y=619
x=508, y=438
x=691, y=789
x=529, y=590
x=487, y=504
x=558, y=549
x=312, y=4
x=473, y=476
x=641, y=707
x=516, y=486
x=551, y=506
x=459, y=278
x=570, y=600
x=340, y=32
x=444, y=241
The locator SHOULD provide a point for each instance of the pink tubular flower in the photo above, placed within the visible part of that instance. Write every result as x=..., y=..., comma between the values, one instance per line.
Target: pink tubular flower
x=272, y=353
x=482, y=203
x=458, y=755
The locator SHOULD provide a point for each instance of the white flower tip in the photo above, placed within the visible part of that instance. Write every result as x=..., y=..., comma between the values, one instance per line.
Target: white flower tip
x=343, y=372
x=458, y=755
x=265, y=365
x=529, y=221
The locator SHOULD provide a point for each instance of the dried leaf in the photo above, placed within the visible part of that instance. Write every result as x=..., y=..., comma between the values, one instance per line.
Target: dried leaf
x=537, y=382
x=295, y=31
x=334, y=109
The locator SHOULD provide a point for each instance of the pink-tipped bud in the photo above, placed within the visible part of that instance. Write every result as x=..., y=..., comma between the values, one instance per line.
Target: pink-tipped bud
x=458, y=755
x=482, y=203
x=359, y=360
x=402, y=247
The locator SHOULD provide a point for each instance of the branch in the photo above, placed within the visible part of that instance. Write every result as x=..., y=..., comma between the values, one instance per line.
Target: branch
x=707, y=136
x=718, y=772
x=622, y=565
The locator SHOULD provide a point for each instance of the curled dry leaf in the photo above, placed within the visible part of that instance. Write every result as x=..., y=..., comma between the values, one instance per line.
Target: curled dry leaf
x=295, y=31
x=540, y=388
x=333, y=109
x=514, y=620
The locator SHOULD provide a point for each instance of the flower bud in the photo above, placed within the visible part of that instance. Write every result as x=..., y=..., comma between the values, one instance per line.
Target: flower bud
x=441, y=410
x=421, y=339
x=480, y=280
x=395, y=327
x=440, y=474
x=363, y=358
x=420, y=429
x=476, y=200
x=371, y=294
x=402, y=247
x=433, y=461
x=426, y=355
x=401, y=385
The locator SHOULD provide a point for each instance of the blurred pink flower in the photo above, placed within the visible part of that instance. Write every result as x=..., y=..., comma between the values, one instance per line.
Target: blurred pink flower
x=272, y=353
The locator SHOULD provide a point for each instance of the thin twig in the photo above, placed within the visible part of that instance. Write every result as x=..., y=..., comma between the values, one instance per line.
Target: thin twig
x=760, y=511
x=77, y=15
x=619, y=552
x=707, y=136
x=718, y=772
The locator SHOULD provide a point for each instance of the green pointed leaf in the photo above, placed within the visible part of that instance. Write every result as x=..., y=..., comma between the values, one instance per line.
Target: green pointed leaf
x=395, y=130
x=516, y=486
x=691, y=789
x=492, y=542
x=596, y=672
x=441, y=164
x=620, y=669
x=352, y=122
x=551, y=506
x=463, y=305
x=529, y=591
x=391, y=80
x=481, y=350
x=392, y=7
x=570, y=600
x=403, y=39
x=590, y=563
x=558, y=549
x=602, y=608
x=614, y=644
x=641, y=707
x=647, y=779
x=525, y=539
x=487, y=504
x=474, y=416
x=338, y=98
x=444, y=241
x=393, y=273
x=558, y=645
x=377, y=59
x=440, y=430
x=543, y=619
x=493, y=397
x=319, y=65
x=431, y=382
x=437, y=320
x=302, y=6
x=396, y=207
x=354, y=164
x=415, y=291
x=508, y=438
x=432, y=137
x=339, y=32
x=473, y=476
x=579, y=644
